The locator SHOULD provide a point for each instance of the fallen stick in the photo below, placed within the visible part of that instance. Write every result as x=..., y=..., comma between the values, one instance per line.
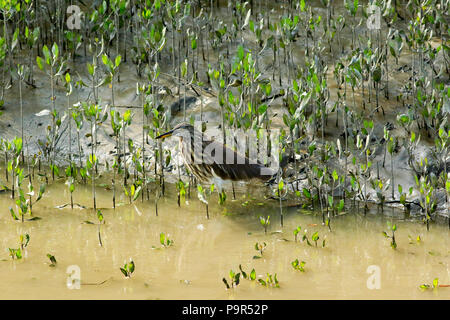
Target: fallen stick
x=68, y=204
x=95, y=284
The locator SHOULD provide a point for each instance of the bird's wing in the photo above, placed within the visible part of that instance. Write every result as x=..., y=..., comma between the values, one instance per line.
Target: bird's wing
x=229, y=164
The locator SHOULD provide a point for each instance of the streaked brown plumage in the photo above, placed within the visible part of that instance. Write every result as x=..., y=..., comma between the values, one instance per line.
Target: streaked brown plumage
x=227, y=165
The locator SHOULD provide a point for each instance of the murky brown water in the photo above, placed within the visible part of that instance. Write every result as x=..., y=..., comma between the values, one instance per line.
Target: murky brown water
x=204, y=251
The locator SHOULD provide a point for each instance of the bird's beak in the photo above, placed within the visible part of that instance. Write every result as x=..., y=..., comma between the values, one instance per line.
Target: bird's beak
x=165, y=135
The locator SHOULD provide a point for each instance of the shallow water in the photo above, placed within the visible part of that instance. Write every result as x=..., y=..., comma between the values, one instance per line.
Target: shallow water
x=204, y=251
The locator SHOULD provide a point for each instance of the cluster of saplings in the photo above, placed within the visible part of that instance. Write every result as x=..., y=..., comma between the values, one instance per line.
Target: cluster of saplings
x=263, y=61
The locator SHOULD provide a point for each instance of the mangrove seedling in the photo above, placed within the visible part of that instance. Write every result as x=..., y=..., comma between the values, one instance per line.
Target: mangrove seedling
x=126, y=122
x=298, y=265
x=296, y=232
x=15, y=147
x=77, y=116
x=91, y=163
x=417, y=240
x=403, y=196
x=15, y=253
x=271, y=281
x=251, y=276
x=393, y=228
x=71, y=174
x=52, y=260
x=222, y=197
x=21, y=75
x=100, y=222
x=265, y=222
x=23, y=243
x=434, y=285
x=380, y=186
x=128, y=268
x=68, y=85
x=31, y=193
x=116, y=122
x=56, y=66
x=203, y=196
x=133, y=193
x=280, y=192
x=334, y=205
x=234, y=280
x=32, y=37
x=181, y=188
x=427, y=199
x=93, y=114
x=25, y=205
x=315, y=237
x=164, y=240
x=24, y=240
x=447, y=188
x=391, y=146
x=112, y=68
x=260, y=247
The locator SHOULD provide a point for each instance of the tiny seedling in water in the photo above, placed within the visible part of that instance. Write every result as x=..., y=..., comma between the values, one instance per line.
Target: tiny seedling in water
x=315, y=237
x=100, y=222
x=260, y=247
x=181, y=187
x=393, y=228
x=222, y=197
x=328, y=223
x=164, y=240
x=265, y=222
x=204, y=195
x=128, y=269
x=434, y=285
x=298, y=265
x=271, y=281
x=52, y=260
x=234, y=280
x=133, y=193
x=24, y=240
x=251, y=276
x=417, y=240
x=25, y=205
x=296, y=232
x=17, y=253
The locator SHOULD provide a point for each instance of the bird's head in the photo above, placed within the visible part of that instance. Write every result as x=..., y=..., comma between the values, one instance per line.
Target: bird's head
x=181, y=130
